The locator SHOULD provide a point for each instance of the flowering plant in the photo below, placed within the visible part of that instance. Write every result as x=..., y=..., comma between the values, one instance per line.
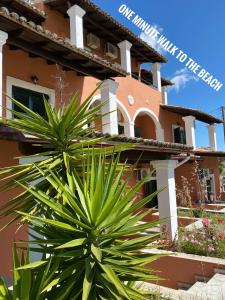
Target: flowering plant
x=208, y=240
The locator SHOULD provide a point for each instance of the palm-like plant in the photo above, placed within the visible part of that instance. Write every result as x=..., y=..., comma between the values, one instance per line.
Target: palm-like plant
x=82, y=210
x=92, y=230
x=28, y=282
x=66, y=133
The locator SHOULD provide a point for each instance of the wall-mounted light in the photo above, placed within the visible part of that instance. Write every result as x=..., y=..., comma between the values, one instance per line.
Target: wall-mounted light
x=34, y=79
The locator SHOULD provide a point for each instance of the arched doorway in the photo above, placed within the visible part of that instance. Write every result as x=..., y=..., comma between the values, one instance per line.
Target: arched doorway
x=147, y=125
x=144, y=127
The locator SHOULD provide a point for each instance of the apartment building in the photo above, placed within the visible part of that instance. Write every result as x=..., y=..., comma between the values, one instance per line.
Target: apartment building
x=58, y=47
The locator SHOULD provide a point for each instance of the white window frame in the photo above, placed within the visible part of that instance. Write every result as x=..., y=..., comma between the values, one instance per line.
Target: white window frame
x=11, y=81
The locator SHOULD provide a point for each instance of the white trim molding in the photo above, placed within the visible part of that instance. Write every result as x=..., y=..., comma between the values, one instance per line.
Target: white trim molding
x=155, y=119
x=11, y=81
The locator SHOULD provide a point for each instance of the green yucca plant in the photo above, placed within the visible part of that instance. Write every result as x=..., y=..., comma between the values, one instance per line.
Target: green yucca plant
x=65, y=133
x=82, y=211
x=28, y=282
x=92, y=230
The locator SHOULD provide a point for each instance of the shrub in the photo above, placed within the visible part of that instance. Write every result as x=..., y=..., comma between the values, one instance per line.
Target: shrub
x=208, y=240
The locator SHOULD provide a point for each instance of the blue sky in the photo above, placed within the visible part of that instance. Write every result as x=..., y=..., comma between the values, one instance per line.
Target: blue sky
x=197, y=28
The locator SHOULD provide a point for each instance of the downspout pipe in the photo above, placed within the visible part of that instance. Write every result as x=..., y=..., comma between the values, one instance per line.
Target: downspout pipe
x=184, y=161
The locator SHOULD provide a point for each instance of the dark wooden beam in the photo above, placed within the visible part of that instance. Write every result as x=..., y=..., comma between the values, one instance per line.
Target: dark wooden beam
x=49, y=62
x=13, y=48
x=79, y=61
x=51, y=57
x=33, y=55
x=42, y=44
x=66, y=69
x=62, y=53
x=15, y=32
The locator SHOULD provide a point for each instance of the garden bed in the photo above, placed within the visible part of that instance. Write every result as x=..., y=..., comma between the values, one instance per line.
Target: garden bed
x=198, y=213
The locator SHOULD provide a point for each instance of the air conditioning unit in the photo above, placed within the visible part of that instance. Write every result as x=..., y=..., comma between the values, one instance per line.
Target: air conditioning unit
x=111, y=51
x=93, y=41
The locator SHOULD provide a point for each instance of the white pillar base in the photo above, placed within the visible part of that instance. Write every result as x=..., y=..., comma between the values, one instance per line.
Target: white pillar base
x=167, y=197
x=108, y=96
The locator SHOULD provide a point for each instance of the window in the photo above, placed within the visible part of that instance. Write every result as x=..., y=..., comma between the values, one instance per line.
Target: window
x=29, y=94
x=31, y=99
x=179, y=135
x=120, y=129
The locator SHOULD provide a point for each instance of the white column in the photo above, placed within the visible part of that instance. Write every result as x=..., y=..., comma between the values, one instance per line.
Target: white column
x=76, y=14
x=125, y=55
x=167, y=198
x=190, y=130
x=164, y=95
x=129, y=129
x=156, y=76
x=108, y=96
x=212, y=137
x=160, y=134
x=3, y=38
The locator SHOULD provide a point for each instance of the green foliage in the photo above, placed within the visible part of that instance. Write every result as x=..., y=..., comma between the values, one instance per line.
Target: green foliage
x=82, y=211
x=28, y=282
x=95, y=237
x=197, y=212
x=222, y=166
x=208, y=240
x=65, y=134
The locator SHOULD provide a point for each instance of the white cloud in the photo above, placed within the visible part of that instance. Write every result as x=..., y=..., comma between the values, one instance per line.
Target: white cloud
x=181, y=78
x=152, y=42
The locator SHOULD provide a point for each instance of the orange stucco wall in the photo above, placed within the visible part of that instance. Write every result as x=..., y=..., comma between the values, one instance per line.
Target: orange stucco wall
x=19, y=65
x=8, y=152
x=188, y=170
x=167, y=120
x=212, y=163
x=176, y=269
